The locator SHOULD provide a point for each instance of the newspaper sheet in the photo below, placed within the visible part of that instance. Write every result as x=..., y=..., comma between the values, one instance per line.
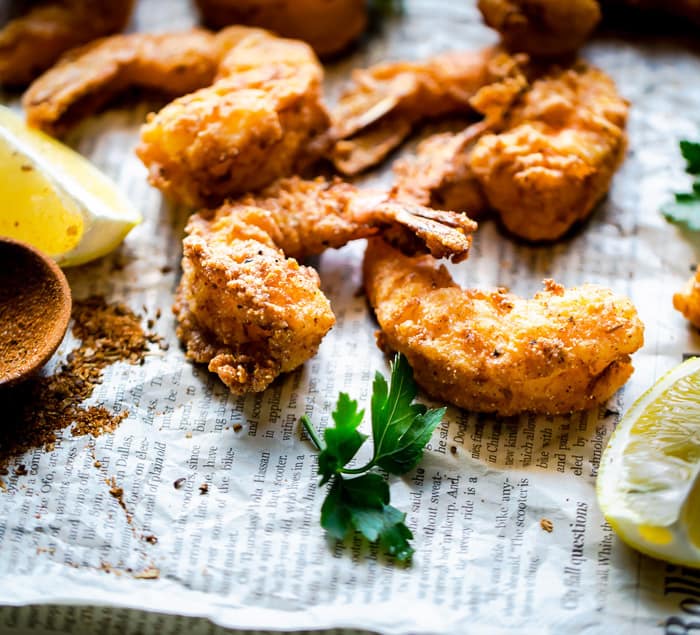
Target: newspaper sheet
x=250, y=553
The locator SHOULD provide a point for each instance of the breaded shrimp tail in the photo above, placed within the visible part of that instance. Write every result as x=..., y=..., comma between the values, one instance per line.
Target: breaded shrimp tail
x=33, y=42
x=563, y=350
x=687, y=301
x=378, y=111
x=247, y=308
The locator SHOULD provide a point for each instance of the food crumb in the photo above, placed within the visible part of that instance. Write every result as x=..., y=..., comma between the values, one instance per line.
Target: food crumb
x=149, y=573
x=150, y=539
x=547, y=525
x=203, y=488
x=178, y=483
x=453, y=449
x=237, y=427
x=97, y=464
x=188, y=434
x=21, y=470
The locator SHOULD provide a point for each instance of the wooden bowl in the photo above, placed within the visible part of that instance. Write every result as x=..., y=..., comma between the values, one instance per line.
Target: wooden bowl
x=35, y=308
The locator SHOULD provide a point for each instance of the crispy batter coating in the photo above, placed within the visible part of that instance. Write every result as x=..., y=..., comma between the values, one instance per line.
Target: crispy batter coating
x=544, y=28
x=89, y=77
x=262, y=118
x=32, y=42
x=440, y=174
x=247, y=308
x=687, y=301
x=563, y=350
x=329, y=26
x=557, y=155
x=383, y=104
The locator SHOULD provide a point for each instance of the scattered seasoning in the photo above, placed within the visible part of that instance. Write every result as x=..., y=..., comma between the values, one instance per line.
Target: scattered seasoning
x=21, y=470
x=179, y=482
x=149, y=573
x=547, y=525
x=188, y=434
x=453, y=449
x=237, y=427
x=36, y=411
x=118, y=493
x=150, y=539
x=97, y=464
x=203, y=488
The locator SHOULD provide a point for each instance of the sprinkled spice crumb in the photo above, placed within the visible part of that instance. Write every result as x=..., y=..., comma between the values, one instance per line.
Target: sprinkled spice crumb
x=547, y=525
x=97, y=464
x=188, y=435
x=453, y=449
x=150, y=539
x=21, y=470
x=179, y=482
x=237, y=427
x=203, y=488
x=149, y=573
x=36, y=411
x=118, y=493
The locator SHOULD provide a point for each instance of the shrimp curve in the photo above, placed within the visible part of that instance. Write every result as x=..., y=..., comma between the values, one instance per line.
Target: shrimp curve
x=562, y=351
x=247, y=308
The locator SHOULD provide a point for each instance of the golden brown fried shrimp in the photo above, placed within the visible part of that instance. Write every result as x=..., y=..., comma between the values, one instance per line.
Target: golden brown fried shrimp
x=329, y=26
x=547, y=28
x=32, y=42
x=562, y=351
x=439, y=174
x=688, y=300
x=246, y=307
x=87, y=78
x=557, y=156
x=261, y=119
x=385, y=101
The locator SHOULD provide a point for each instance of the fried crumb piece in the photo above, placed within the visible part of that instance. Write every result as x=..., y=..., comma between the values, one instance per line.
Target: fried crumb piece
x=21, y=470
x=149, y=573
x=547, y=525
x=150, y=539
x=203, y=488
x=453, y=449
x=97, y=464
x=188, y=434
x=237, y=427
x=178, y=483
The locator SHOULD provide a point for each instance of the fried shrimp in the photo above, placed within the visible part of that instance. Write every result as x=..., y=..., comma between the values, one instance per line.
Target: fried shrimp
x=32, y=42
x=563, y=350
x=256, y=113
x=541, y=163
x=546, y=28
x=261, y=119
x=687, y=301
x=247, y=308
x=329, y=26
x=556, y=158
x=385, y=102
x=89, y=77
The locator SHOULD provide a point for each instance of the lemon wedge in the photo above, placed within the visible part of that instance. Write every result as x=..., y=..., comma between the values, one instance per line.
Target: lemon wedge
x=648, y=485
x=54, y=199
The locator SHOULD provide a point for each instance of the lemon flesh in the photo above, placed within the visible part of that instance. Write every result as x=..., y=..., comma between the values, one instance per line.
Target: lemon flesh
x=54, y=199
x=648, y=484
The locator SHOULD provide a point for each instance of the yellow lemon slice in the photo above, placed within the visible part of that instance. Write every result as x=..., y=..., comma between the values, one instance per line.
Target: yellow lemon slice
x=54, y=199
x=648, y=485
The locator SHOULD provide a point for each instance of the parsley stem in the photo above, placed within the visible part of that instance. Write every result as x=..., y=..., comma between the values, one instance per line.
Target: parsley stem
x=308, y=427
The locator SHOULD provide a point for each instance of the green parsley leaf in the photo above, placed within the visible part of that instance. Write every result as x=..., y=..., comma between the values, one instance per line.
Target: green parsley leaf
x=691, y=153
x=685, y=208
x=362, y=504
x=400, y=431
x=400, y=428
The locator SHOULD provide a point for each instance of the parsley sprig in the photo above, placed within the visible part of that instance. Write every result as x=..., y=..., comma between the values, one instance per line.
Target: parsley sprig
x=400, y=431
x=685, y=208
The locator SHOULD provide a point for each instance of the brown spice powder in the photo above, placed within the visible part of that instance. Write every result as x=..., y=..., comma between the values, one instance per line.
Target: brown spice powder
x=36, y=411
